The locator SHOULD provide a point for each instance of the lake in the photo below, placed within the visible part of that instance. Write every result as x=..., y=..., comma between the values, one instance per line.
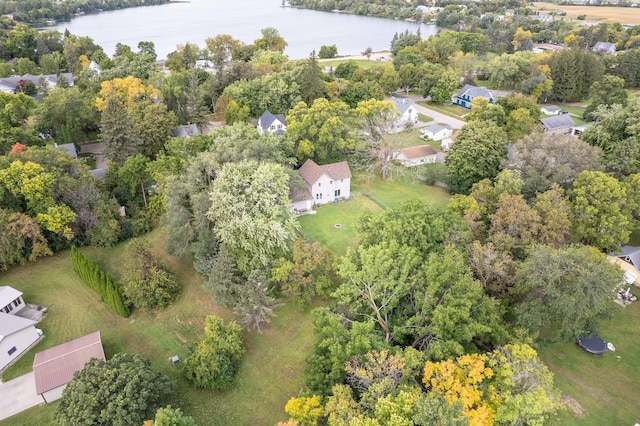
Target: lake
x=194, y=21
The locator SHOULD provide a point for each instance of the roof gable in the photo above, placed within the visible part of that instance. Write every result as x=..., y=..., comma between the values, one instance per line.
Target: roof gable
x=10, y=324
x=267, y=119
x=402, y=104
x=474, y=92
x=8, y=295
x=311, y=172
x=55, y=366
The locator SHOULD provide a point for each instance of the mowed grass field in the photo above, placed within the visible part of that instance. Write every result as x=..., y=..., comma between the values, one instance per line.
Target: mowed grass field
x=623, y=15
x=605, y=387
x=271, y=373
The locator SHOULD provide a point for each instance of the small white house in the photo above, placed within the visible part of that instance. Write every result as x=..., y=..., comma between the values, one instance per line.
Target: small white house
x=559, y=124
x=551, y=110
x=604, y=48
x=437, y=132
x=11, y=301
x=408, y=112
x=274, y=123
x=54, y=368
x=415, y=155
x=327, y=183
x=17, y=335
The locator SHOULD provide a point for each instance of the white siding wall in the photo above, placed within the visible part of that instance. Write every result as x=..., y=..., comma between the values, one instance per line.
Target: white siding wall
x=416, y=161
x=326, y=189
x=21, y=340
x=303, y=205
x=53, y=394
x=11, y=308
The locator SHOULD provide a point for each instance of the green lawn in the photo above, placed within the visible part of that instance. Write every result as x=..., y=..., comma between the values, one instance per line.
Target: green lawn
x=606, y=388
x=271, y=372
x=449, y=109
x=412, y=138
x=362, y=63
x=424, y=118
x=401, y=188
x=321, y=226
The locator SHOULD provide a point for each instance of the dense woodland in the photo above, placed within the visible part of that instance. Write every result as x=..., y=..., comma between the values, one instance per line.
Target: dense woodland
x=433, y=317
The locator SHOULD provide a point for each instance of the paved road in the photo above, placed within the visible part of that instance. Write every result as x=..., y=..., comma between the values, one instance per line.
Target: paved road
x=439, y=117
x=18, y=395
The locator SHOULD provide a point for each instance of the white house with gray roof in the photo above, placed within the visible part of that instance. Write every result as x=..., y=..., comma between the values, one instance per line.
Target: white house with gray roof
x=437, y=132
x=604, y=48
x=326, y=183
x=12, y=85
x=408, y=112
x=274, y=123
x=17, y=335
x=468, y=93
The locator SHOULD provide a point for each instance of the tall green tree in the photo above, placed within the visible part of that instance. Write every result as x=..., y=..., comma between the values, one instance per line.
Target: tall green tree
x=121, y=391
x=310, y=80
x=117, y=132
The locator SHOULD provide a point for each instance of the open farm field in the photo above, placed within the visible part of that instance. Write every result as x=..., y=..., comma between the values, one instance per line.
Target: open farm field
x=624, y=15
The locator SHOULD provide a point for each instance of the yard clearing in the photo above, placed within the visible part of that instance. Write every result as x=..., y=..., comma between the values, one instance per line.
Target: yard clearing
x=271, y=372
x=601, y=389
x=623, y=15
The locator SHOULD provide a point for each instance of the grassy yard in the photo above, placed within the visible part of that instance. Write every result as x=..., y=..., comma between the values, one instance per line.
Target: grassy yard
x=321, y=226
x=451, y=110
x=362, y=63
x=270, y=374
x=401, y=188
x=412, y=138
x=606, y=387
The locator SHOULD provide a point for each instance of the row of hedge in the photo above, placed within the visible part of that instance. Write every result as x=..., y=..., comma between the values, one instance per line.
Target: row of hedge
x=100, y=282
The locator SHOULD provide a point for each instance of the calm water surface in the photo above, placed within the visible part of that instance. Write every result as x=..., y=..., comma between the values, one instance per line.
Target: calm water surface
x=194, y=21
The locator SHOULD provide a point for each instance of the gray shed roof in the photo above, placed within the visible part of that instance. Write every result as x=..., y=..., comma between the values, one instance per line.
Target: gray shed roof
x=630, y=254
x=70, y=148
x=557, y=122
x=604, y=45
x=435, y=128
x=10, y=324
x=551, y=108
x=8, y=295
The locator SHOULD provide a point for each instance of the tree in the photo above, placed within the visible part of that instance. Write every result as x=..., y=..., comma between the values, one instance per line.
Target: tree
x=368, y=52
x=509, y=70
x=599, y=218
x=117, y=133
x=251, y=214
x=475, y=155
x=608, y=91
x=66, y=114
x=545, y=159
x=168, y=416
x=520, y=123
x=559, y=297
x=256, y=306
x=322, y=131
x=21, y=239
x=307, y=411
x=214, y=360
x=328, y=52
x=271, y=40
x=377, y=121
x=121, y=391
x=235, y=113
x=310, y=80
x=146, y=283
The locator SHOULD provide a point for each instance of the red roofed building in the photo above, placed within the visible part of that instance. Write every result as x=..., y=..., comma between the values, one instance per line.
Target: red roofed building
x=54, y=368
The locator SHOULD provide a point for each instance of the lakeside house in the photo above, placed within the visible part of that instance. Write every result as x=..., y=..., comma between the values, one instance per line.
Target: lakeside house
x=274, y=123
x=13, y=84
x=408, y=112
x=464, y=97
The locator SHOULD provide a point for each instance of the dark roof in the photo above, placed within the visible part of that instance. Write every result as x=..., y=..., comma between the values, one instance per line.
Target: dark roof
x=551, y=108
x=300, y=195
x=418, y=151
x=185, y=130
x=557, y=122
x=266, y=119
x=402, y=104
x=10, y=324
x=55, y=366
x=311, y=172
x=475, y=92
x=435, y=128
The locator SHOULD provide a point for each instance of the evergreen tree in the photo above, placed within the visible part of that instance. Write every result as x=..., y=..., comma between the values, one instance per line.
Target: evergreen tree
x=117, y=133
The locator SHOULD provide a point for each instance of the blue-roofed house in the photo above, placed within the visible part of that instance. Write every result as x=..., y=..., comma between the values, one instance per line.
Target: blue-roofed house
x=274, y=123
x=468, y=93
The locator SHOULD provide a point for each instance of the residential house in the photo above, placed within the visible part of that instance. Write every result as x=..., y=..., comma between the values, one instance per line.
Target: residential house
x=54, y=367
x=274, y=123
x=93, y=66
x=302, y=200
x=509, y=12
x=415, y=155
x=628, y=260
x=558, y=124
x=547, y=47
x=408, y=112
x=17, y=336
x=436, y=132
x=11, y=301
x=604, y=48
x=468, y=93
x=12, y=84
x=542, y=18
x=185, y=130
x=551, y=110
x=326, y=183
x=69, y=148
x=577, y=130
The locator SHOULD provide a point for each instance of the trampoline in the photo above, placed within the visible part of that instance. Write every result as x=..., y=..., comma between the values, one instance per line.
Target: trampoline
x=592, y=344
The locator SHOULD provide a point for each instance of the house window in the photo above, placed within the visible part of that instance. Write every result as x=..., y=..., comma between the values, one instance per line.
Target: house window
x=9, y=308
x=336, y=193
x=341, y=180
x=279, y=126
x=318, y=196
x=272, y=127
x=330, y=182
x=12, y=350
x=319, y=183
x=16, y=302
